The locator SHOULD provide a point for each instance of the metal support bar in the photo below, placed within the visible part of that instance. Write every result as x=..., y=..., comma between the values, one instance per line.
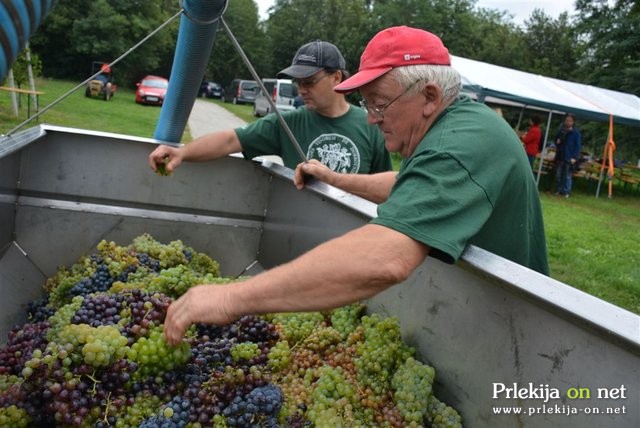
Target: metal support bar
x=257, y=78
x=544, y=150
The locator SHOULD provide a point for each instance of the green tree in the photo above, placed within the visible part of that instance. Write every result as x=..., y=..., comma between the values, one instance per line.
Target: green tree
x=77, y=32
x=225, y=62
x=447, y=19
x=491, y=37
x=296, y=22
x=20, y=73
x=552, y=45
x=611, y=61
x=484, y=34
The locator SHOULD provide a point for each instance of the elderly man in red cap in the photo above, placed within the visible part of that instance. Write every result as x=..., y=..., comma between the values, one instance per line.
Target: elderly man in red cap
x=465, y=180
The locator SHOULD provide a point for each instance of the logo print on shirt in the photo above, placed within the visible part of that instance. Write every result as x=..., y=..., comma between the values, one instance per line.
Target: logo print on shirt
x=336, y=151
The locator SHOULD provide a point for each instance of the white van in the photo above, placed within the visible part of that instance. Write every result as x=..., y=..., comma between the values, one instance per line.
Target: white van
x=282, y=91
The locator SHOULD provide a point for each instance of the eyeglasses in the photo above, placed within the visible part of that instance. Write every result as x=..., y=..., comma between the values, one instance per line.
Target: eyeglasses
x=379, y=111
x=309, y=82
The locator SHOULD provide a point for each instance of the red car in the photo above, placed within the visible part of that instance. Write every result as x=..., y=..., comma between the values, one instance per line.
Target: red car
x=151, y=90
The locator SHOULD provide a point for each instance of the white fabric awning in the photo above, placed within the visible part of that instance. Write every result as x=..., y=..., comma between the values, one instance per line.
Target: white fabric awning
x=501, y=84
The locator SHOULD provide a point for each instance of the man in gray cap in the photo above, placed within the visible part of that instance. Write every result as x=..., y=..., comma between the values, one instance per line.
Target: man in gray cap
x=328, y=128
x=314, y=57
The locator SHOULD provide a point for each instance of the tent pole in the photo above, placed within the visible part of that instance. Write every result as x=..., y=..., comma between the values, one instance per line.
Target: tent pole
x=599, y=183
x=520, y=119
x=544, y=149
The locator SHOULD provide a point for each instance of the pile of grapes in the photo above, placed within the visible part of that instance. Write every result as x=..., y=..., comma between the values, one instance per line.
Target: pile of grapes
x=93, y=355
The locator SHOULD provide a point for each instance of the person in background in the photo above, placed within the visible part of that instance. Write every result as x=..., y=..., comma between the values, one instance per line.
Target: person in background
x=568, y=146
x=328, y=128
x=105, y=75
x=531, y=140
x=451, y=191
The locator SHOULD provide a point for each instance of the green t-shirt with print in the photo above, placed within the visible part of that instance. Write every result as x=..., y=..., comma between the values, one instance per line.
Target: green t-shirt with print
x=345, y=144
x=469, y=182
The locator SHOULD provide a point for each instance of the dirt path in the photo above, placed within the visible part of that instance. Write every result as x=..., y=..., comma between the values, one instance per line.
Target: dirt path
x=207, y=117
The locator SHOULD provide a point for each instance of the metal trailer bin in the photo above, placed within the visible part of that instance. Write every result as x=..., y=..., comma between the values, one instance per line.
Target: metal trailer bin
x=500, y=336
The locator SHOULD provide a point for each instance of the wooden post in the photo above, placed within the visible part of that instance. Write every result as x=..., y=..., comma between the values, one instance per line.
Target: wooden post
x=32, y=83
x=14, y=97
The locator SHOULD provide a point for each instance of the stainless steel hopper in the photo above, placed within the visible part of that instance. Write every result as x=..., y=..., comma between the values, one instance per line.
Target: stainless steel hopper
x=481, y=322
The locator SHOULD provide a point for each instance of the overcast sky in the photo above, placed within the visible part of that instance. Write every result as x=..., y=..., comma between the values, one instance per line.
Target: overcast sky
x=520, y=9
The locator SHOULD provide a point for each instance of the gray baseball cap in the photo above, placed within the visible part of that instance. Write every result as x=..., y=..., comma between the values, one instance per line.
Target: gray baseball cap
x=312, y=58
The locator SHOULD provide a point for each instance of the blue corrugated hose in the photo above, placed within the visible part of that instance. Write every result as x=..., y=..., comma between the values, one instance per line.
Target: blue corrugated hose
x=19, y=19
x=198, y=26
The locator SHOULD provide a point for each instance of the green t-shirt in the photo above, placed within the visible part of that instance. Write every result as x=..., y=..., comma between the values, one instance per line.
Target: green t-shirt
x=345, y=144
x=469, y=182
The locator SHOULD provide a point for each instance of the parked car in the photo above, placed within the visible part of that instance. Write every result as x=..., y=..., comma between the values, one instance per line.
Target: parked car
x=210, y=89
x=241, y=91
x=151, y=90
x=282, y=92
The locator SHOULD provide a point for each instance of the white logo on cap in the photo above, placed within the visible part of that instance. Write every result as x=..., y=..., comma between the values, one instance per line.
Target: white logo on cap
x=409, y=57
x=307, y=58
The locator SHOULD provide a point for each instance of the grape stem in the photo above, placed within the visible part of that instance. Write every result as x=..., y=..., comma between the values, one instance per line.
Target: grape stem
x=95, y=382
x=106, y=408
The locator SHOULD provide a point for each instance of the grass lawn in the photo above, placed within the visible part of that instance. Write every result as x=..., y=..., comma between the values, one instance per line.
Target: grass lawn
x=120, y=114
x=593, y=243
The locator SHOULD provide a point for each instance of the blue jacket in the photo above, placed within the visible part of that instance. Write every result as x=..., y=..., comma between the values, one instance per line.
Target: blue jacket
x=570, y=145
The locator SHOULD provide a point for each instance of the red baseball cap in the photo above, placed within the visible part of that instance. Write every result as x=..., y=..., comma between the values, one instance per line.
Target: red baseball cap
x=396, y=47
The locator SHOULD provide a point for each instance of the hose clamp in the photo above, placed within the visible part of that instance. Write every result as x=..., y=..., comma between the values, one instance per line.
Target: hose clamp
x=200, y=21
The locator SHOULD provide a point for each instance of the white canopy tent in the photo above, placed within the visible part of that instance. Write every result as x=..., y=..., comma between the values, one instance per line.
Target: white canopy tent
x=492, y=83
x=501, y=85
